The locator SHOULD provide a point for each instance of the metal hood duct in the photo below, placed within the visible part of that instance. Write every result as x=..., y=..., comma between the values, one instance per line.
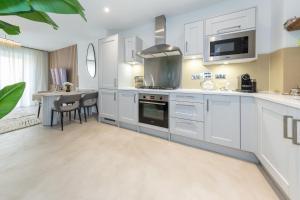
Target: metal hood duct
x=161, y=49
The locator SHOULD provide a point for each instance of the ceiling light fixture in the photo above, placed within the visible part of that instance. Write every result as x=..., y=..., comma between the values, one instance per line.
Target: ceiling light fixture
x=9, y=43
x=106, y=9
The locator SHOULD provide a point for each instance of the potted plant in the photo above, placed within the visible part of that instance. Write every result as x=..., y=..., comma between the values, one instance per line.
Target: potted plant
x=9, y=97
x=68, y=86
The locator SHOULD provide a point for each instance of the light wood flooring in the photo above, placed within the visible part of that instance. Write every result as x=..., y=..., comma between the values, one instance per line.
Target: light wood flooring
x=98, y=161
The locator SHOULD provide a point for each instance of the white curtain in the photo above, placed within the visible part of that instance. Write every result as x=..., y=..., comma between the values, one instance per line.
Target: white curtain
x=24, y=64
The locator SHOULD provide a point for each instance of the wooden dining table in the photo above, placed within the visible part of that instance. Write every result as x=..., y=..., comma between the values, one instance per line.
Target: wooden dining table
x=48, y=99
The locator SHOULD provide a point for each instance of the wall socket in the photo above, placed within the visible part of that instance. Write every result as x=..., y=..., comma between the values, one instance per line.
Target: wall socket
x=196, y=76
x=220, y=76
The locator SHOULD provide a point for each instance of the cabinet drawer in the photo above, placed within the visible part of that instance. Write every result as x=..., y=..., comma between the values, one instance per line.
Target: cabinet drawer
x=187, y=128
x=187, y=110
x=233, y=22
x=187, y=97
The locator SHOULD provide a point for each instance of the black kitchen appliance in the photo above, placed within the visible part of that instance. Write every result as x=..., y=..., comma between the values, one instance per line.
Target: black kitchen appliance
x=154, y=110
x=248, y=84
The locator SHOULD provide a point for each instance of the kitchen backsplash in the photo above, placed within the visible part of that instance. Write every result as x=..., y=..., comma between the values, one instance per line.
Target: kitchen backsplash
x=258, y=70
x=269, y=70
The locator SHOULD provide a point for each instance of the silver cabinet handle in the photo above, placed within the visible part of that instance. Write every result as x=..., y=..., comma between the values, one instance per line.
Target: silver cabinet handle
x=115, y=96
x=134, y=100
x=295, y=132
x=132, y=54
x=285, y=127
x=207, y=105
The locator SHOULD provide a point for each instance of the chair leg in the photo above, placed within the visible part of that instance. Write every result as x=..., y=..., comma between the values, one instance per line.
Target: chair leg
x=62, y=120
x=74, y=114
x=39, y=110
x=97, y=108
x=79, y=114
x=84, y=111
x=69, y=115
x=52, y=112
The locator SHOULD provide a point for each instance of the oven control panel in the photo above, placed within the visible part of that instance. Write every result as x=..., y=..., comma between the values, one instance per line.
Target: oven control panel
x=154, y=97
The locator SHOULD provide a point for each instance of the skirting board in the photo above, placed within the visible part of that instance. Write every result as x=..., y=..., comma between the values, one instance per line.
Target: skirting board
x=242, y=155
x=156, y=133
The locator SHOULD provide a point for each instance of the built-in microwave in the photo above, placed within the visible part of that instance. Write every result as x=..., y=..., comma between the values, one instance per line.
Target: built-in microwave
x=228, y=47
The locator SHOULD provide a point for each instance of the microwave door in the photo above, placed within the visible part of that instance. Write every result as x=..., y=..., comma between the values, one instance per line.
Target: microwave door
x=231, y=46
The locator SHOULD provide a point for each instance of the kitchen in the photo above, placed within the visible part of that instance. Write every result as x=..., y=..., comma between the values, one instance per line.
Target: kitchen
x=158, y=99
x=205, y=109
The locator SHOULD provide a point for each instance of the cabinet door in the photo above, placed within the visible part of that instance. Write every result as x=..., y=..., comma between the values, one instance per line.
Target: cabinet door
x=108, y=104
x=128, y=110
x=187, y=128
x=132, y=46
x=274, y=149
x=233, y=22
x=108, y=58
x=194, y=35
x=129, y=49
x=222, y=120
x=186, y=110
x=295, y=155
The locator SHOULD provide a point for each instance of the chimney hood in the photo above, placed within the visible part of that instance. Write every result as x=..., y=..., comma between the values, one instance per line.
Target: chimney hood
x=161, y=49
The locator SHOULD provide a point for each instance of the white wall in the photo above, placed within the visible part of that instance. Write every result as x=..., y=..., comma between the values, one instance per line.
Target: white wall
x=85, y=80
x=283, y=10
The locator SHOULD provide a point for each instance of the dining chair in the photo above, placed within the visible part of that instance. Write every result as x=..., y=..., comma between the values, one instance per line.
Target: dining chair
x=88, y=101
x=66, y=104
x=38, y=98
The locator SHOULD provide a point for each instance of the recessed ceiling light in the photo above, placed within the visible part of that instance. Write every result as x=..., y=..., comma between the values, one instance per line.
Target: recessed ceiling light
x=106, y=9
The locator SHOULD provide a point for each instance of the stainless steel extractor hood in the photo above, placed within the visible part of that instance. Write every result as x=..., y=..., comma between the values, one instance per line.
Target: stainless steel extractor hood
x=161, y=49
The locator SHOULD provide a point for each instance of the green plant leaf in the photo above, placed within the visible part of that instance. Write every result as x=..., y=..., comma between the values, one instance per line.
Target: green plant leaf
x=14, y=6
x=9, y=28
x=9, y=97
x=39, y=17
x=58, y=6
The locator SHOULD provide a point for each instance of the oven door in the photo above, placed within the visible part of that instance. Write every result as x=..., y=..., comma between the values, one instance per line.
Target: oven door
x=154, y=113
x=231, y=46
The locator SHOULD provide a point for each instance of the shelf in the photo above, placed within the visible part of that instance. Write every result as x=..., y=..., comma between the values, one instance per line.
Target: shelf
x=292, y=24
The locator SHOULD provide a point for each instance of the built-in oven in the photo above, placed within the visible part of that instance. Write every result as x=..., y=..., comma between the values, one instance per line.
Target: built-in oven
x=154, y=110
x=230, y=46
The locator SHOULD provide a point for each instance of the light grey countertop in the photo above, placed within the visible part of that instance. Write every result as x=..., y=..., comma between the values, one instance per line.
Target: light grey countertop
x=287, y=100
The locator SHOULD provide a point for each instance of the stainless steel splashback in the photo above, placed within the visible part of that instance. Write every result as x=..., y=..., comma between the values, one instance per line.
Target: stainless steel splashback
x=163, y=72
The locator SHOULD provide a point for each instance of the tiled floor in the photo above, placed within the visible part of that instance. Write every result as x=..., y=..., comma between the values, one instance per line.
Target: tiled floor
x=98, y=161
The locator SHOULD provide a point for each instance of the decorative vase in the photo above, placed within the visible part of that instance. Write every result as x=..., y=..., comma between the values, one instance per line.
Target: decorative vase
x=68, y=88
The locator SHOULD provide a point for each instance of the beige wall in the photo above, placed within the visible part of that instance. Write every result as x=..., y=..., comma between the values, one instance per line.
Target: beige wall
x=285, y=69
x=258, y=70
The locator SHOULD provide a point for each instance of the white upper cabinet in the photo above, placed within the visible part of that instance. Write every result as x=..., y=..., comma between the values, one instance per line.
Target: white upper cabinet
x=132, y=46
x=194, y=34
x=222, y=120
x=128, y=107
x=234, y=22
x=110, y=56
x=276, y=151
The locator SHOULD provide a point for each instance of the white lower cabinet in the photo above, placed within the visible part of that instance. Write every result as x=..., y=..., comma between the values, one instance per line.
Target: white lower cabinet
x=187, y=115
x=187, y=110
x=128, y=107
x=108, y=104
x=187, y=128
x=222, y=120
x=277, y=153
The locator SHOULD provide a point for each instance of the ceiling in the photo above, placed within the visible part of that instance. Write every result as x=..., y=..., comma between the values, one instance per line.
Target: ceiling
x=123, y=14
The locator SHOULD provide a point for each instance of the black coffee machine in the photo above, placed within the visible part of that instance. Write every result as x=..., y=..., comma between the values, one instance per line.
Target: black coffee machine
x=248, y=84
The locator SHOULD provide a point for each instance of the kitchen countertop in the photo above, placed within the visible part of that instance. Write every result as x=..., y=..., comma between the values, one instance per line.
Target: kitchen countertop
x=286, y=100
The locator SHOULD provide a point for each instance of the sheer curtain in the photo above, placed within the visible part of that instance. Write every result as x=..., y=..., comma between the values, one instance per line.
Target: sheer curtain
x=24, y=64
